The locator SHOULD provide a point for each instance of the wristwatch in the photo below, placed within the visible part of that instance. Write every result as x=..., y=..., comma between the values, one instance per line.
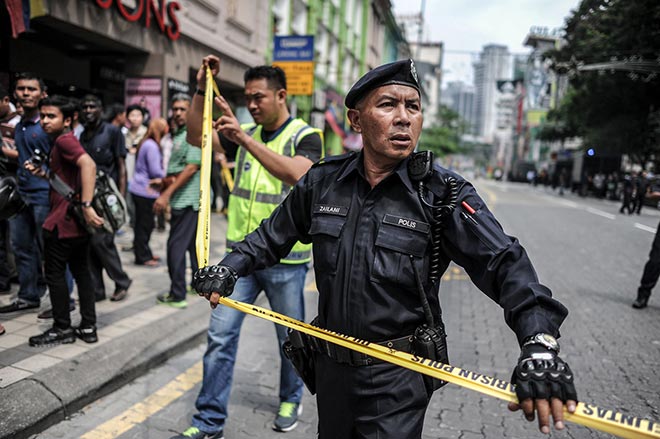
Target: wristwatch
x=200, y=92
x=86, y=204
x=543, y=339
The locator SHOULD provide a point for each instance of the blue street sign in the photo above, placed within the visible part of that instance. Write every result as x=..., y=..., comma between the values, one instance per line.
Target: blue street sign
x=294, y=48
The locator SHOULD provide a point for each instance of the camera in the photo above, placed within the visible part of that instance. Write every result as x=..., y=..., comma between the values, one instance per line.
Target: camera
x=38, y=158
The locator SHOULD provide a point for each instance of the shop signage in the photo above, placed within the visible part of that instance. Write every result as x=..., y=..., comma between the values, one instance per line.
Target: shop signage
x=175, y=86
x=163, y=12
x=295, y=55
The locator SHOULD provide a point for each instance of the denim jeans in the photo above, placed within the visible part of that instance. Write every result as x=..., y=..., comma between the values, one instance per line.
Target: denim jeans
x=283, y=285
x=28, y=244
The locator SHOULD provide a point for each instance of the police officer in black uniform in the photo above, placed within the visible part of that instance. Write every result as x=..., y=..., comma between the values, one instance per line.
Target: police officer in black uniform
x=385, y=224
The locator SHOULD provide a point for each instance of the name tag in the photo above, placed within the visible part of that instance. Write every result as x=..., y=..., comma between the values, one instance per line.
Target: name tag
x=407, y=223
x=329, y=209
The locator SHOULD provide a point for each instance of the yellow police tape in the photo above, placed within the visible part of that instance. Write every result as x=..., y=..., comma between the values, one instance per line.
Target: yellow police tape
x=202, y=236
x=589, y=415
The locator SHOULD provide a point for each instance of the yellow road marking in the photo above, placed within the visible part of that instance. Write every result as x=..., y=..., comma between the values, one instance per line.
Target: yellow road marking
x=139, y=412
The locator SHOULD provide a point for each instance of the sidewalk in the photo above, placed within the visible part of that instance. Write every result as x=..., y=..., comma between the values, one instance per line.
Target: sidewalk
x=41, y=386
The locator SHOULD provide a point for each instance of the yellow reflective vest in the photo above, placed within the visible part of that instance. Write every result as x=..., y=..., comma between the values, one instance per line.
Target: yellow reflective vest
x=257, y=193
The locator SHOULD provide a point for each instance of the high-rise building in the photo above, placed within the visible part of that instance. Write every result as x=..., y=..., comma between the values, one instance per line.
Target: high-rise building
x=494, y=64
x=460, y=97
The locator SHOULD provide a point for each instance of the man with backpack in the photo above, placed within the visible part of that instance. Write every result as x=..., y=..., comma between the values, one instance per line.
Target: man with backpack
x=65, y=239
x=105, y=143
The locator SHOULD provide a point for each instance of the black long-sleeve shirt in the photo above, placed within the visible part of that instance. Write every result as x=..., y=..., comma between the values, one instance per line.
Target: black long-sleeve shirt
x=365, y=241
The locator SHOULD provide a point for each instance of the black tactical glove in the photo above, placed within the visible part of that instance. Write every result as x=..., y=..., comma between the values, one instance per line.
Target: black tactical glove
x=541, y=374
x=214, y=279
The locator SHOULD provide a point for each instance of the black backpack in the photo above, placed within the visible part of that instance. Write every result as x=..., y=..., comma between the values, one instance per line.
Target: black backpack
x=107, y=202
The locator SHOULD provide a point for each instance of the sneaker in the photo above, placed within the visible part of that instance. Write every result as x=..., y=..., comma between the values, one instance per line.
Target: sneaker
x=287, y=416
x=17, y=306
x=48, y=314
x=53, y=337
x=170, y=300
x=195, y=433
x=86, y=334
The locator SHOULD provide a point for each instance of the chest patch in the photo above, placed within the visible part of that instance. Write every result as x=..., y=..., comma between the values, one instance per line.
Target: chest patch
x=407, y=223
x=329, y=209
x=247, y=166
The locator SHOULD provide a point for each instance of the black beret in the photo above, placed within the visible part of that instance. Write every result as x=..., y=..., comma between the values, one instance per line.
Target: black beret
x=399, y=72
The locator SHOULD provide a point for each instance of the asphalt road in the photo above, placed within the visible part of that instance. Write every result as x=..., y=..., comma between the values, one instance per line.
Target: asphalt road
x=583, y=249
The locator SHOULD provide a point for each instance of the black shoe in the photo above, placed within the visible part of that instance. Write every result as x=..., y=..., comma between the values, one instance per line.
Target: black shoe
x=86, y=334
x=48, y=314
x=53, y=337
x=18, y=306
x=121, y=293
x=640, y=302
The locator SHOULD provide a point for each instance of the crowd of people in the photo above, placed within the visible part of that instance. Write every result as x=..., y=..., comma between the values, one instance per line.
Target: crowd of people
x=139, y=154
x=629, y=187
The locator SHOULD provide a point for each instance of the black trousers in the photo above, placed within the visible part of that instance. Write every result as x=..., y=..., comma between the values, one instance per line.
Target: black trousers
x=651, y=269
x=74, y=252
x=104, y=255
x=380, y=401
x=183, y=227
x=144, y=225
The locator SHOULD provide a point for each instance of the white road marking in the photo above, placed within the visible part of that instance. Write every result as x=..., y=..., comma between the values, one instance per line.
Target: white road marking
x=600, y=213
x=645, y=228
x=566, y=203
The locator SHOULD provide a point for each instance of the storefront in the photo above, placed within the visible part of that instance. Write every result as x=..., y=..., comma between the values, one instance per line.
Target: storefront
x=121, y=50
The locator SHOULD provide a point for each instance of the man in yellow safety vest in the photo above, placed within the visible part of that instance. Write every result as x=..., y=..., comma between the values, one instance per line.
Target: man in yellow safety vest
x=271, y=155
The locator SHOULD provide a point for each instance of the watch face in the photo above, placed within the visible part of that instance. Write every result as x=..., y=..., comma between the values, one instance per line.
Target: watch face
x=549, y=341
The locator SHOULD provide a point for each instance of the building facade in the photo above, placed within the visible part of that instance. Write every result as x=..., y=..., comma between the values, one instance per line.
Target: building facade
x=126, y=50
x=350, y=38
x=494, y=64
x=130, y=50
x=428, y=60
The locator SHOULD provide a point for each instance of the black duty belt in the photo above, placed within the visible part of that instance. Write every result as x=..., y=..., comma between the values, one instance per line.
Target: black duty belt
x=353, y=358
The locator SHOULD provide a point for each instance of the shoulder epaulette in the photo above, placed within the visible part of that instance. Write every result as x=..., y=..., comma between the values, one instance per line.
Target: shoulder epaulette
x=437, y=183
x=334, y=159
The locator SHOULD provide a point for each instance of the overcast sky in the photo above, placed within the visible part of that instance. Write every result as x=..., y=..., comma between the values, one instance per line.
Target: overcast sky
x=468, y=25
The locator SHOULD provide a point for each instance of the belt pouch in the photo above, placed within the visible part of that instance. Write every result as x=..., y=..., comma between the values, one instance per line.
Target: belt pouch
x=298, y=351
x=431, y=343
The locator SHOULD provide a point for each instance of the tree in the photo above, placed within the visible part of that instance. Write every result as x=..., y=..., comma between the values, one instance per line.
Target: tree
x=610, y=108
x=443, y=138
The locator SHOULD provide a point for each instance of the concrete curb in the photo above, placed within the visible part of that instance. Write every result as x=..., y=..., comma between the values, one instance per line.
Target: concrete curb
x=31, y=405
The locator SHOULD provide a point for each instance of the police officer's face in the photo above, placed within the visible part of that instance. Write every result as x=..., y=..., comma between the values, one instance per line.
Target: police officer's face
x=264, y=103
x=390, y=120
